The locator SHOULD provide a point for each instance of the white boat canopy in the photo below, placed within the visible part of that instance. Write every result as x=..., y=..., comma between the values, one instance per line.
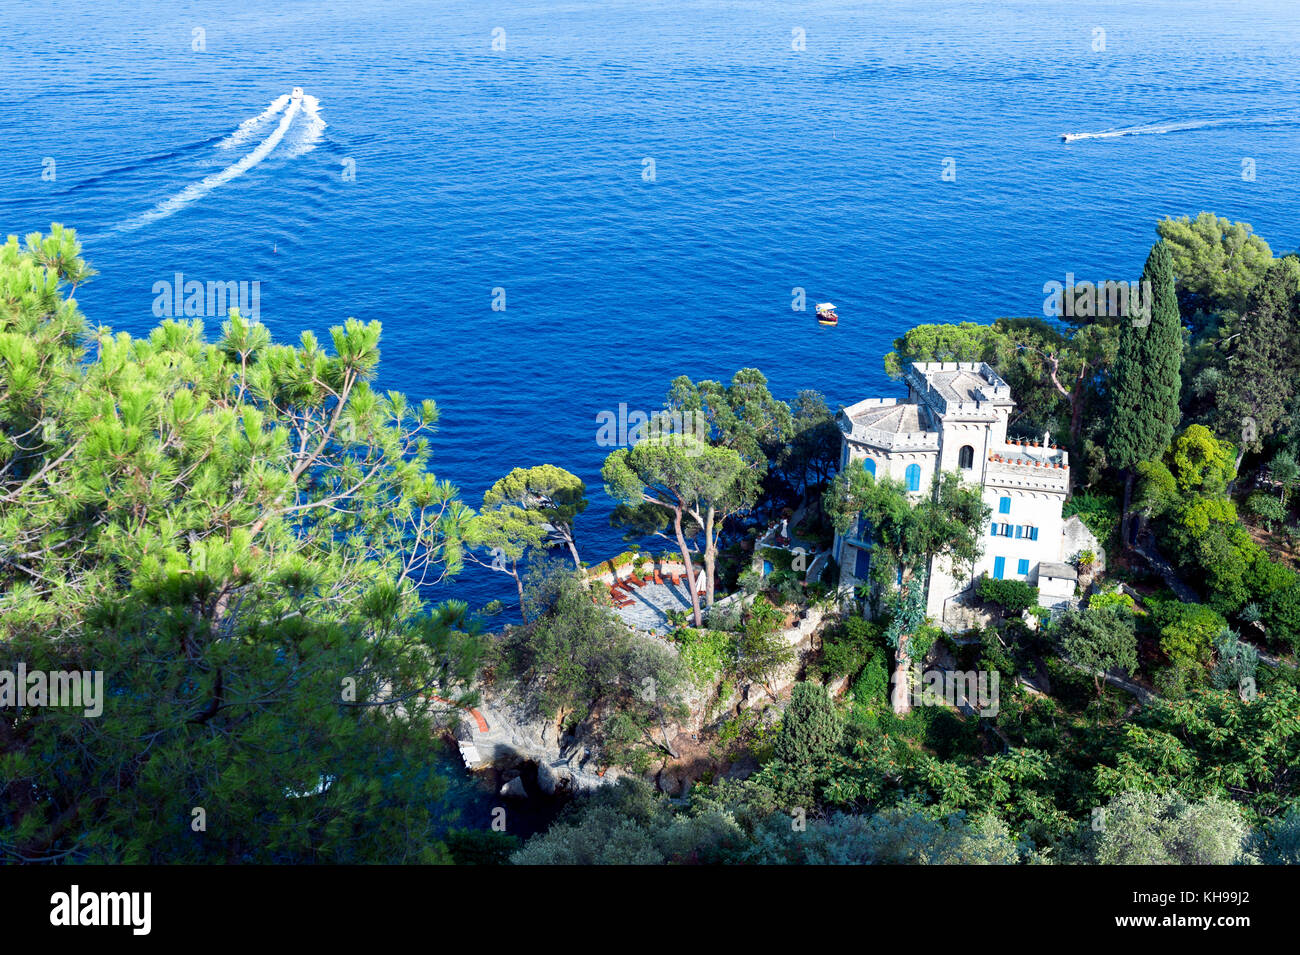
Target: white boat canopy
x=825, y=307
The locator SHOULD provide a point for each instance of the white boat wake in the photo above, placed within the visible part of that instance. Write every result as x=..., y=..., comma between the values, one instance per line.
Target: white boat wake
x=1155, y=129
x=307, y=134
x=305, y=137
x=251, y=127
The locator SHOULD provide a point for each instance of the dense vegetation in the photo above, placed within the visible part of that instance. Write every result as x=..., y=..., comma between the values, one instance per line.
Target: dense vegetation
x=235, y=533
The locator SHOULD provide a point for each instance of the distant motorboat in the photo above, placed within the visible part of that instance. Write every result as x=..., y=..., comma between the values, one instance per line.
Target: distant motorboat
x=297, y=93
x=1071, y=137
x=826, y=314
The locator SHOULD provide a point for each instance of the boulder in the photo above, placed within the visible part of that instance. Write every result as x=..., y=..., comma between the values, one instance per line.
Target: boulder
x=514, y=789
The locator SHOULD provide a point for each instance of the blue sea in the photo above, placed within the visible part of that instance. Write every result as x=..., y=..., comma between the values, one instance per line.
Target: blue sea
x=646, y=181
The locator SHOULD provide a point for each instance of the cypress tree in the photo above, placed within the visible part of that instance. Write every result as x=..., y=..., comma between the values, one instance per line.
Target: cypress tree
x=1146, y=379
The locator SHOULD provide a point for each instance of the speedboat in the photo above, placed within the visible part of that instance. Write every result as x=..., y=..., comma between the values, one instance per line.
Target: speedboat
x=297, y=93
x=826, y=314
x=1071, y=137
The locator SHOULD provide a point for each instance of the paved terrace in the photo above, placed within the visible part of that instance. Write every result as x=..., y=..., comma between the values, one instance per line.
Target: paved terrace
x=651, y=603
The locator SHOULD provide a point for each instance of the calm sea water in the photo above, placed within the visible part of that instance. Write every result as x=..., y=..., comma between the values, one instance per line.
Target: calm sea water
x=448, y=169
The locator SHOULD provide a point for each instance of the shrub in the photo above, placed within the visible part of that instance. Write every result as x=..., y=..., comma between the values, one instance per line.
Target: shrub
x=1267, y=508
x=810, y=729
x=1099, y=513
x=1187, y=632
x=1281, y=615
x=847, y=647
x=1112, y=598
x=1235, y=661
x=1012, y=596
x=704, y=653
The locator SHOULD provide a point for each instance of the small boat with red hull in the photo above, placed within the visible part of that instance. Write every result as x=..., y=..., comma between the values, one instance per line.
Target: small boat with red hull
x=826, y=314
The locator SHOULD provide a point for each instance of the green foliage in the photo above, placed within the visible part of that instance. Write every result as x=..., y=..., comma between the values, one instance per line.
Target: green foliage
x=945, y=524
x=547, y=497
x=871, y=692
x=761, y=647
x=1259, y=380
x=1187, y=630
x=706, y=654
x=812, y=451
x=846, y=647
x=679, y=479
x=235, y=533
x=628, y=824
x=1012, y=596
x=1218, y=263
x=1147, y=828
x=1285, y=470
x=1279, y=844
x=1145, y=381
x=1111, y=598
x=1099, y=640
x=1099, y=513
x=1269, y=509
x=1235, y=661
x=579, y=660
x=810, y=728
x=895, y=837
x=481, y=846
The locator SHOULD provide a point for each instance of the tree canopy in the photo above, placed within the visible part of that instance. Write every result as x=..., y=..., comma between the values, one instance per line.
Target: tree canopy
x=235, y=534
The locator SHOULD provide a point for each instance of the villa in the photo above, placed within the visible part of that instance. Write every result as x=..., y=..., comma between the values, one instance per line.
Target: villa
x=955, y=419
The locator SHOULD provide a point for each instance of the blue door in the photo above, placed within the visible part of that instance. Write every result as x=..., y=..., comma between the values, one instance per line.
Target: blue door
x=914, y=477
x=999, y=567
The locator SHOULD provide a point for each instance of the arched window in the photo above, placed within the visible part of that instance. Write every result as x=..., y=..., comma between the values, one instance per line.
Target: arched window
x=869, y=466
x=914, y=477
x=966, y=457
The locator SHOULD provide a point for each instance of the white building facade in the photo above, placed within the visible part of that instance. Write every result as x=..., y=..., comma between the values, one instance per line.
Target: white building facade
x=955, y=419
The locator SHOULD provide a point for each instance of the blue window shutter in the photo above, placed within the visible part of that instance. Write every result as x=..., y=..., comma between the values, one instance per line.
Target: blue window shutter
x=1023, y=566
x=869, y=466
x=914, y=477
x=1006, y=530
x=1020, y=530
x=862, y=565
x=1033, y=533
x=999, y=567
x=1004, y=505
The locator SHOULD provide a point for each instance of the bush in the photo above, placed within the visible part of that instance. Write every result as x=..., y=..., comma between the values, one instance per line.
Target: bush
x=1014, y=597
x=1099, y=513
x=1112, y=598
x=1280, y=613
x=1267, y=508
x=705, y=654
x=1236, y=661
x=846, y=648
x=1187, y=632
x=810, y=729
